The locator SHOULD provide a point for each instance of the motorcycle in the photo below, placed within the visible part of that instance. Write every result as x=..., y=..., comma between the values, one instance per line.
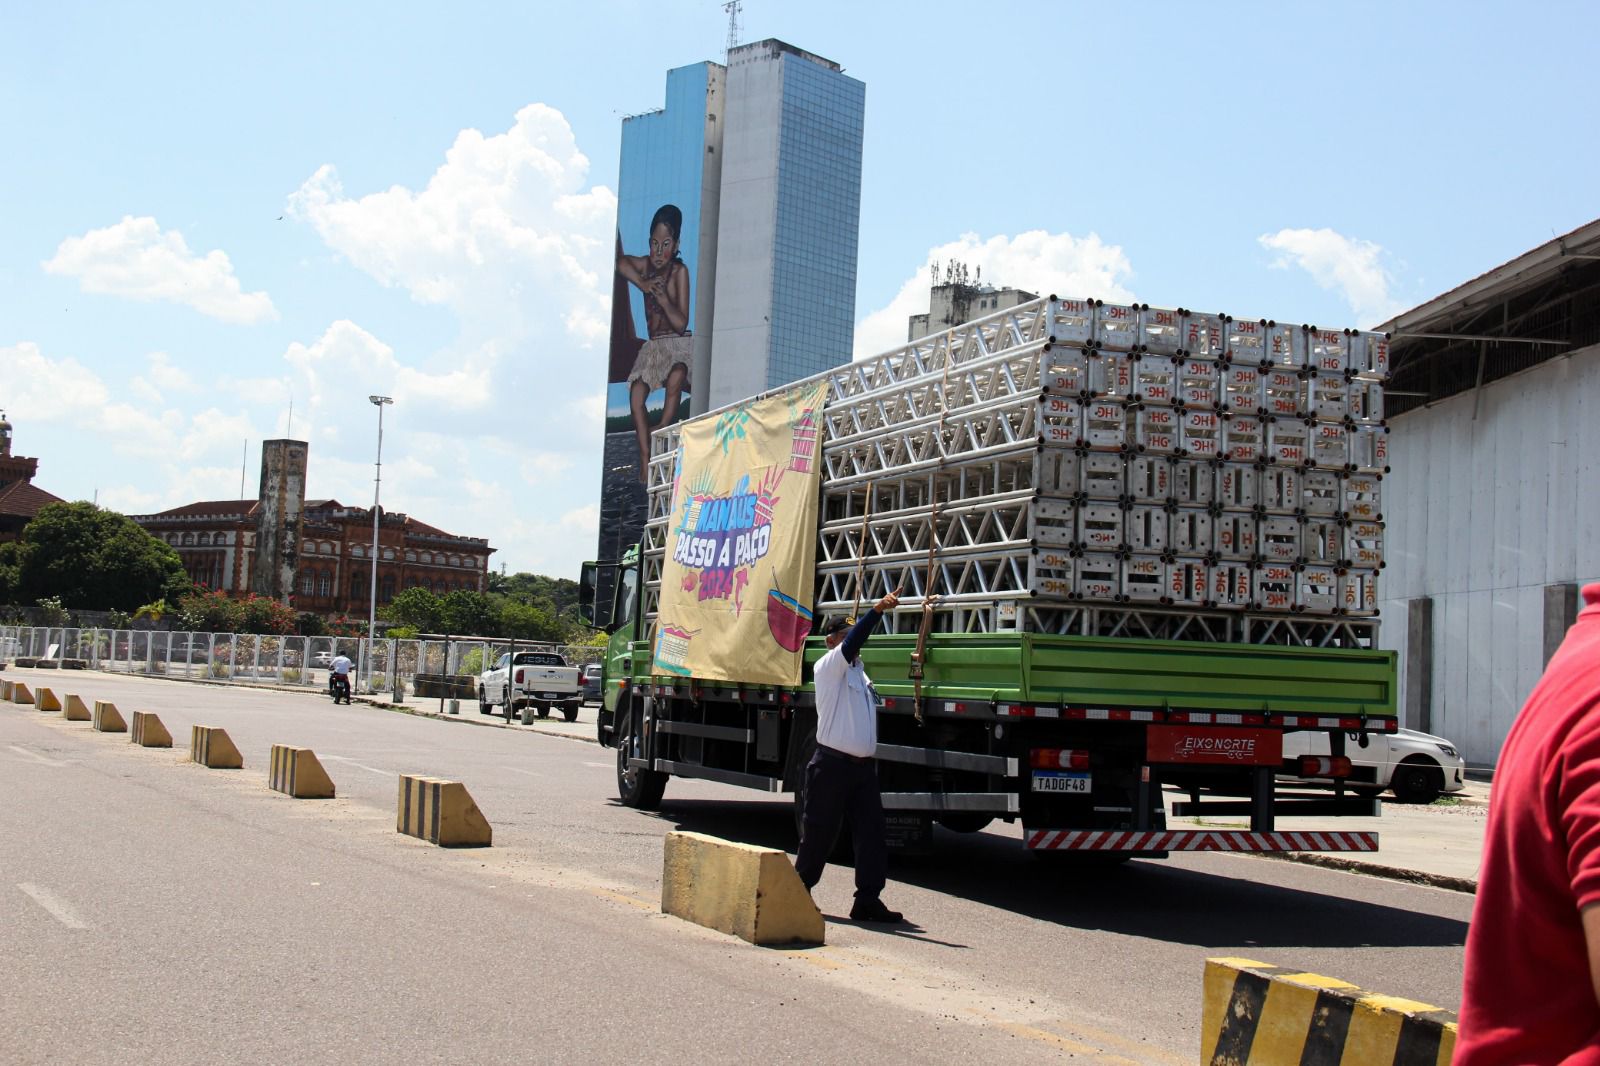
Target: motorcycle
x=339, y=687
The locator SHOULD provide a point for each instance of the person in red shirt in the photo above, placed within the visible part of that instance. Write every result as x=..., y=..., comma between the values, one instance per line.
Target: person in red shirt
x=1531, y=989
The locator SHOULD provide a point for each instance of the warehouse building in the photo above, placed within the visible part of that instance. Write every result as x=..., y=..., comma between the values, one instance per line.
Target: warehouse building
x=1491, y=510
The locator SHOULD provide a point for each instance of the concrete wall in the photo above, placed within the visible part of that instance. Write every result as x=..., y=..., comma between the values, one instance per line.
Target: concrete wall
x=282, y=503
x=1492, y=519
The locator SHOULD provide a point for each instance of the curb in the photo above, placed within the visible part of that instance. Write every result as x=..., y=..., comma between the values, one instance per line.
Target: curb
x=1374, y=869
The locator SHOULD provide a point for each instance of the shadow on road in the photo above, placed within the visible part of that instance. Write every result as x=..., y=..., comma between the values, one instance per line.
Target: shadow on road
x=1149, y=899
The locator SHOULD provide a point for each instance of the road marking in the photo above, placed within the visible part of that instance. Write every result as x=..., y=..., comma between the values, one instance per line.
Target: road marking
x=35, y=756
x=601, y=765
x=361, y=766
x=520, y=770
x=58, y=910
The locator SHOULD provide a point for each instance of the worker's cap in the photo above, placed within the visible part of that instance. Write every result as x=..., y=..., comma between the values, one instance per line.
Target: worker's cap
x=837, y=624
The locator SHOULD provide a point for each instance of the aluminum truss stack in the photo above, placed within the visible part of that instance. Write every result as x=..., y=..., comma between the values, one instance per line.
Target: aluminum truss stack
x=1071, y=466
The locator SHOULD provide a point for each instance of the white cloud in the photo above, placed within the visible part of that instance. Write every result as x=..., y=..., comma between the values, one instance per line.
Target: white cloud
x=135, y=259
x=1035, y=261
x=1353, y=268
x=504, y=228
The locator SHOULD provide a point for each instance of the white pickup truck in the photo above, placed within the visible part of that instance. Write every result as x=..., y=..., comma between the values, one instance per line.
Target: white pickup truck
x=540, y=681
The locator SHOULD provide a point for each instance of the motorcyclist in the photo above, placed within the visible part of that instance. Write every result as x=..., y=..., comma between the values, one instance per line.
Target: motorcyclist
x=339, y=677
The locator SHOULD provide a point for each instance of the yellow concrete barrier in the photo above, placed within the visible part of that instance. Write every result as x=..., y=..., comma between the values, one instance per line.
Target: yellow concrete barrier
x=106, y=718
x=20, y=693
x=297, y=772
x=1262, y=1015
x=211, y=746
x=440, y=812
x=148, y=732
x=73, y=709
x=45, y=700
x=748, y=891
x=5, y=689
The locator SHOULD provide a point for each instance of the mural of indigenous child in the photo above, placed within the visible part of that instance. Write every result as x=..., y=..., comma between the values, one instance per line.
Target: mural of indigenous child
x=663, y=361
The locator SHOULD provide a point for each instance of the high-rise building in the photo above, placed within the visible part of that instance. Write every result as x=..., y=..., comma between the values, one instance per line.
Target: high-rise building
x=790, y=217
x=738, y=216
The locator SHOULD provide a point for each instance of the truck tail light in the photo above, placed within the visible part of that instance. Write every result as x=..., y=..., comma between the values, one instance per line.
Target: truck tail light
x=1058, y=759
x=1324, y=766
x=519, y=677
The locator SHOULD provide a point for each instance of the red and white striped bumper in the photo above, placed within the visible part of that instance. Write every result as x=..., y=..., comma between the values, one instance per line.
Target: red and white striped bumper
x=1198, y=840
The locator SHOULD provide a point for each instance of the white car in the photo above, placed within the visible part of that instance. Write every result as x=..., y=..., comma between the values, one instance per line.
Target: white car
x=1416, y=767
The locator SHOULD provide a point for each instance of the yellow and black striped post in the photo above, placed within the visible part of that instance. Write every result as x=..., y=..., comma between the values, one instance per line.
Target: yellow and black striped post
x=1257, y=1014
x=148, y=732
x=440, y=812
x=107, y=719
x=211, y=746
x=297, y=772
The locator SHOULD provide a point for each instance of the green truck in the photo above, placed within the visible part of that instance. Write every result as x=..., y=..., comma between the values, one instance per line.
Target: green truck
x=1064, y=653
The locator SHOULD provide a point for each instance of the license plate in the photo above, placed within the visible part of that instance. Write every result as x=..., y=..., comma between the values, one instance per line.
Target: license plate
x=549, y=695
x=1060, y=781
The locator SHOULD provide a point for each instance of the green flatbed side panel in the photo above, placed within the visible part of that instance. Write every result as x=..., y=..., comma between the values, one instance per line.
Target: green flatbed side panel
x=1123, y=672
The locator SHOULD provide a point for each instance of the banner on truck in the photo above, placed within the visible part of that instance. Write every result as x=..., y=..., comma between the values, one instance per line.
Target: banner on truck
x=741, y=551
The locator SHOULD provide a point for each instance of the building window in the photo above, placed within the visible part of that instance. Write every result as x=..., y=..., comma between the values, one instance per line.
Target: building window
x=306, y=580
x=324, y=584
x=358, y=586
x=358, y=551
x=386, y=589
x=188, y=539
x=388, y=553
x=455, y=560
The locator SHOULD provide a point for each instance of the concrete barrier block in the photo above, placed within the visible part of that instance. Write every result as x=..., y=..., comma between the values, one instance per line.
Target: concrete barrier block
x=21, y=694
x=1257, y=1014
x=106, y=718
x=440, y=812
x=148, y=732
x=5, y=689
x=297, y=772
x=748, y=891
x=211, y=746
x=45, y=700
x=73, y=709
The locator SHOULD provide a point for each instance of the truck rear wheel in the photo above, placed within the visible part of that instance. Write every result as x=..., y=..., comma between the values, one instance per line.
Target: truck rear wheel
x=570, y=712
x=637, y=787
x=543, y=709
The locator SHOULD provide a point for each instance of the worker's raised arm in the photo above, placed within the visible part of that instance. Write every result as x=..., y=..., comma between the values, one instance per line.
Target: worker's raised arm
x=866, y=624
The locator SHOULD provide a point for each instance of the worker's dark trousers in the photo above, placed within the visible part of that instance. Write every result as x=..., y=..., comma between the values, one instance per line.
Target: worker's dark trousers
x=838, y=787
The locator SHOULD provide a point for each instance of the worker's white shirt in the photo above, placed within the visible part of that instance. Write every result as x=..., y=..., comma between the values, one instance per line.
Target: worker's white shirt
x=341, y=665
x=847, y=712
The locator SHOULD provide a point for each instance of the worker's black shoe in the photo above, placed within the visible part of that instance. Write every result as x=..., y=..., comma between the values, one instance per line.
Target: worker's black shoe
x=874, y=911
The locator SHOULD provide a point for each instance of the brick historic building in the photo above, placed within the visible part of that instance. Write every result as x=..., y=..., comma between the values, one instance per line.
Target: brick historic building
x=329, y=546
x=20, y=498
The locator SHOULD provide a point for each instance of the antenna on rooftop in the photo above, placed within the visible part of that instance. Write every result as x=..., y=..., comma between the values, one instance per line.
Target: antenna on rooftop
x=732, y=7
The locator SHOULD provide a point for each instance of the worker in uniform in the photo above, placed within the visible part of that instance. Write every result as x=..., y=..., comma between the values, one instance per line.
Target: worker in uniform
x=841, y=781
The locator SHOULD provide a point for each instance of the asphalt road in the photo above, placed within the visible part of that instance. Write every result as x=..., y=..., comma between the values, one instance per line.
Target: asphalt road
x=156, y=911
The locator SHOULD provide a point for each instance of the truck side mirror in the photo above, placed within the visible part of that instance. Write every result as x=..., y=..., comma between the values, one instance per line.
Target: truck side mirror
x=594, y=610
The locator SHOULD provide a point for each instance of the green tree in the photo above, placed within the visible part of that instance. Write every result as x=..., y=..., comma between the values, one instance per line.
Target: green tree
x=310, y=624
x=95, y=559
x=467, y=613
x=529, y=621
x=10, y=572
x=417, y=609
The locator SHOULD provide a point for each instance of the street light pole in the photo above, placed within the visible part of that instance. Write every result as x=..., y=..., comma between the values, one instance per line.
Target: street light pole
x=377, y=486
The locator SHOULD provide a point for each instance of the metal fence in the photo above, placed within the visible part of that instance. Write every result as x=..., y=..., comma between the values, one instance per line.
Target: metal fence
x=261, y=658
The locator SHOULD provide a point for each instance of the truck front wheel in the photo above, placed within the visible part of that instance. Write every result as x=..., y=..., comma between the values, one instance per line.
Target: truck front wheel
x=637, y=787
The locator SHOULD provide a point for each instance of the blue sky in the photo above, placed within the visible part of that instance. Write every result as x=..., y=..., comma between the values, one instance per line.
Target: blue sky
x=210, y=210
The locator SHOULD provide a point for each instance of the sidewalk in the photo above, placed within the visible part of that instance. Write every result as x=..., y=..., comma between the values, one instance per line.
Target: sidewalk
x=1440, y=844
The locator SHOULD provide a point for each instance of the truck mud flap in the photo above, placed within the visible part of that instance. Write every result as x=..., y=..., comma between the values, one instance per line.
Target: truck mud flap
x=1196, y=840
